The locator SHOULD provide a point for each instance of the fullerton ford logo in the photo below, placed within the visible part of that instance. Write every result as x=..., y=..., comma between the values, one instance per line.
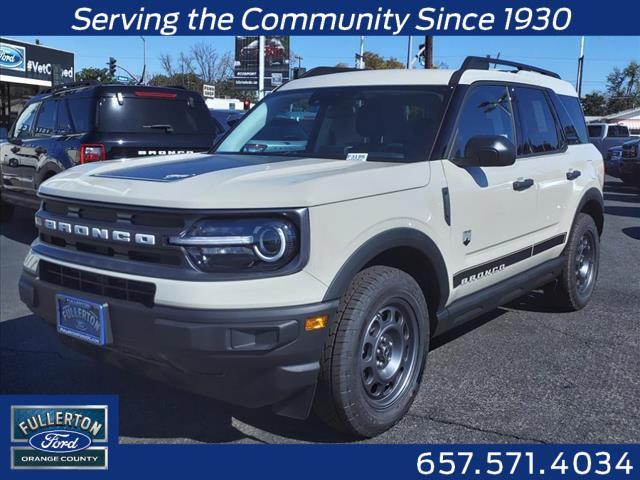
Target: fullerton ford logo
x=59, y=436
x=95, y=232
x=12, y=57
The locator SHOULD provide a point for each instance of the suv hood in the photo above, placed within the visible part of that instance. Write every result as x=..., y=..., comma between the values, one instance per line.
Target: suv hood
x=233, y=181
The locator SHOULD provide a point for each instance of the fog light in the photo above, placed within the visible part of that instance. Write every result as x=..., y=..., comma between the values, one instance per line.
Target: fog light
x=316, y=323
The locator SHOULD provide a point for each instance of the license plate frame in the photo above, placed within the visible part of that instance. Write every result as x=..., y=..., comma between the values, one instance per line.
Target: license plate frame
x=83, y=319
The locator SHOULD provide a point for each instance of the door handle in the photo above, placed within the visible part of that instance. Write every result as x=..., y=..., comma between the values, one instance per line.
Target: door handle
x=15, y=149
x=573, y=174
x=520, y=185
x=40, y=150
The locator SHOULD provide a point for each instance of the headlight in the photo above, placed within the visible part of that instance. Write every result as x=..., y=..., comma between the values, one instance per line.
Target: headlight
x=237, y=245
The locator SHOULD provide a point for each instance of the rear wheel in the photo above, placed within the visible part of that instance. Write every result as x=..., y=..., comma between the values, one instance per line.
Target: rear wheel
x=573, y=289
x=375, y=353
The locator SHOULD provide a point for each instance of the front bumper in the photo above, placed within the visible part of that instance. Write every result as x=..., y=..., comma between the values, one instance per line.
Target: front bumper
x=250, y=357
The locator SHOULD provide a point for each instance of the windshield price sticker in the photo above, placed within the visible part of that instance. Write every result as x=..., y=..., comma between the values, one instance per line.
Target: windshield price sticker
x=598, y=463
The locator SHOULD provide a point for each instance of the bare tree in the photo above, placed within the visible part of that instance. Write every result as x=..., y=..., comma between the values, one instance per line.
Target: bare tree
x=211, y=66
x=167, y=64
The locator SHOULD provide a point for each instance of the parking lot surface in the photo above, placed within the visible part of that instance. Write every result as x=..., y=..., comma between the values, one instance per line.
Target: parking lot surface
x=522, y=373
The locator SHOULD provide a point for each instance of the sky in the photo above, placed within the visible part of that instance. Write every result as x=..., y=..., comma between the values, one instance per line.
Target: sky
x=558, y=53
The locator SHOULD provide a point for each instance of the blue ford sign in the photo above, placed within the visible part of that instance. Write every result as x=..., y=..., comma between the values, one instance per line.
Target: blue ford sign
x=12, y=57
x=60, y=441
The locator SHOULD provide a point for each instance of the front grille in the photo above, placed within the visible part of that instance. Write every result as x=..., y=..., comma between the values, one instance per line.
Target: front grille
x=159, y=223
x=97, y=284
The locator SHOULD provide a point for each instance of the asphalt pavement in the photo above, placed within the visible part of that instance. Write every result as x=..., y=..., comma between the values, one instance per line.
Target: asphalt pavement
x=521, y=373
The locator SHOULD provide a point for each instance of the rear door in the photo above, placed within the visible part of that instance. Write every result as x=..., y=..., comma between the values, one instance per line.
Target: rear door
x=491, y=220
x=40, y=149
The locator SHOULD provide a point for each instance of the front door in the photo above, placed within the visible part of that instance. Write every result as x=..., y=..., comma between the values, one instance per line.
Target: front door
x=492, y=208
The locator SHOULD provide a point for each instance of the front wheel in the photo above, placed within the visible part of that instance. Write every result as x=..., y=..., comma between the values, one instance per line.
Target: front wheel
x=373, y=359
x=573, y=289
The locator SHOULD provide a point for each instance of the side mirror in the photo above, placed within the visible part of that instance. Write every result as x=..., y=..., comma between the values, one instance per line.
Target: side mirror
x=233, y=121
x=488, y=151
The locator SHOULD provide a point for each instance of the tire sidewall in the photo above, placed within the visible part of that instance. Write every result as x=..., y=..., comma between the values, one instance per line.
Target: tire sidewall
x=584, y=224
x=381, y=295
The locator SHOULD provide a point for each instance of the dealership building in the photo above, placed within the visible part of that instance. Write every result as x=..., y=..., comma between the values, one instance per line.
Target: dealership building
x=25, y=69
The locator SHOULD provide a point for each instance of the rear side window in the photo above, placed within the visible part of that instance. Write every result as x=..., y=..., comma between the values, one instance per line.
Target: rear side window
x=63, y=122
x=154, y=115
x=81, y=110
x=45, y=124
x=538, y=131
x=568, y=127
x=574, y=109
x=23, y=125
x=617, y=131
x=596, y=130
x=486, y=111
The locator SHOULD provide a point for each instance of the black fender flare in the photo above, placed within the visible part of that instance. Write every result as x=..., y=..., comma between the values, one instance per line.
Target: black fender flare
x=47, y=170
x=592, y=194
x=393, y=238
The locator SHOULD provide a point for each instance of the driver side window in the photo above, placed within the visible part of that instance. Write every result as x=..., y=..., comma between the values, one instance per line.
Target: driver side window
x=486, y=111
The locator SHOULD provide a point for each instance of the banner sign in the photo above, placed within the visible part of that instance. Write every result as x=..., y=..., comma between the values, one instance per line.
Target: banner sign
x=34, y=64
x=276, y=62
x=316, y=17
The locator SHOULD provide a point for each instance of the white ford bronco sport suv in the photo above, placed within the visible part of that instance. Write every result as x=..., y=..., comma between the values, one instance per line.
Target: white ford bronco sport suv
x=346, y=221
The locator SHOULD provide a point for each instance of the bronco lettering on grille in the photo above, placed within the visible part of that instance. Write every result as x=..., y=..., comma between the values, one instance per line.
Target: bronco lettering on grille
x=96, y=233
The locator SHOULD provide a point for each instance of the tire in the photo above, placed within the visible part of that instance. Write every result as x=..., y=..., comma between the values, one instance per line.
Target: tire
x=6, y=211
x=574, y=288
x=382, y=306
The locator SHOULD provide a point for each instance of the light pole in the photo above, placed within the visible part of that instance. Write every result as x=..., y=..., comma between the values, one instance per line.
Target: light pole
x=144, y=58
x=580, y=68
x=409, y=52
x=261, y=67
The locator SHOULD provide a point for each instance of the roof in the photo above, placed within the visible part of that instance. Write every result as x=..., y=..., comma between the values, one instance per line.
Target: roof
x=630, y=113
x=97, y=89
x=427, y=77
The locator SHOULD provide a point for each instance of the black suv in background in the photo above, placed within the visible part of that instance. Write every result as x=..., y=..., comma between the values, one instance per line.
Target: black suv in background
x=81, y=123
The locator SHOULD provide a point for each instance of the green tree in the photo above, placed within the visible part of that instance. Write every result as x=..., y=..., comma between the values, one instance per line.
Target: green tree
x=594, y=104
x=378, y=62
x=92, y=73
x=623, y=88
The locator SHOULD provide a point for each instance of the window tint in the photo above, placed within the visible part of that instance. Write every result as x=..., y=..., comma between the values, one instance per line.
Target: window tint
x=45, y=123
x=596, y=130
x=81, y=110
x=538, y=131
x=23, y=125
x=63, y=124
x=617, y=131
x=574, y=109
x=570, y=131
x=486, y=111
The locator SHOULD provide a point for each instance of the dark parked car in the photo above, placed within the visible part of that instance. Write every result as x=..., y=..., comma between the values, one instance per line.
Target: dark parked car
x=274, y=52
x=225, y=118
x=630, y=164
x=612, y=161
x=82, y=123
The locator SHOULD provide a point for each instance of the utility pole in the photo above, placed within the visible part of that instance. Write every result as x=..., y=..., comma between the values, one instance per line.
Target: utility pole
x=580, y=68
x=144, y=59
x=261, y=67
x=428, y=51
x=409, y=52
x=360, y=56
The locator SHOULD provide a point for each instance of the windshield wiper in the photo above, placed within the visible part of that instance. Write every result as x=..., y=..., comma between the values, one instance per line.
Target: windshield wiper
x=160, y=126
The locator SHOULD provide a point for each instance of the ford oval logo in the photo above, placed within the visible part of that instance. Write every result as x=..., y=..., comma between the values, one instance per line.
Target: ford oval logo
x=60, y=441
x=11, y=57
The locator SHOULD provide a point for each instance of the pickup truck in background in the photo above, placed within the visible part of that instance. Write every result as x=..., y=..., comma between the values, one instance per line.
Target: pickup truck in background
x=605, y=135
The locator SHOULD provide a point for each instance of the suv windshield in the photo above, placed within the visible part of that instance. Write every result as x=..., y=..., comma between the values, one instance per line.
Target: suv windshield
x=153, y=115
x=395, y=124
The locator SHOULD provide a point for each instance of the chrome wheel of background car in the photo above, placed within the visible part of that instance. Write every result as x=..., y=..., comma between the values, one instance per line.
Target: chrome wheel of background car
x=389, y=351
x=585, y=262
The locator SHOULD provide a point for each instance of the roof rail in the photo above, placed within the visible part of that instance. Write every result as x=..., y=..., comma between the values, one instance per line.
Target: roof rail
x=484, y=63
x=317, y=71
x=67, y=86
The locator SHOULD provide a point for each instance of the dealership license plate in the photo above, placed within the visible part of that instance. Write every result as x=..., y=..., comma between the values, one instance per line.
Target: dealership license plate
x=82, y=319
